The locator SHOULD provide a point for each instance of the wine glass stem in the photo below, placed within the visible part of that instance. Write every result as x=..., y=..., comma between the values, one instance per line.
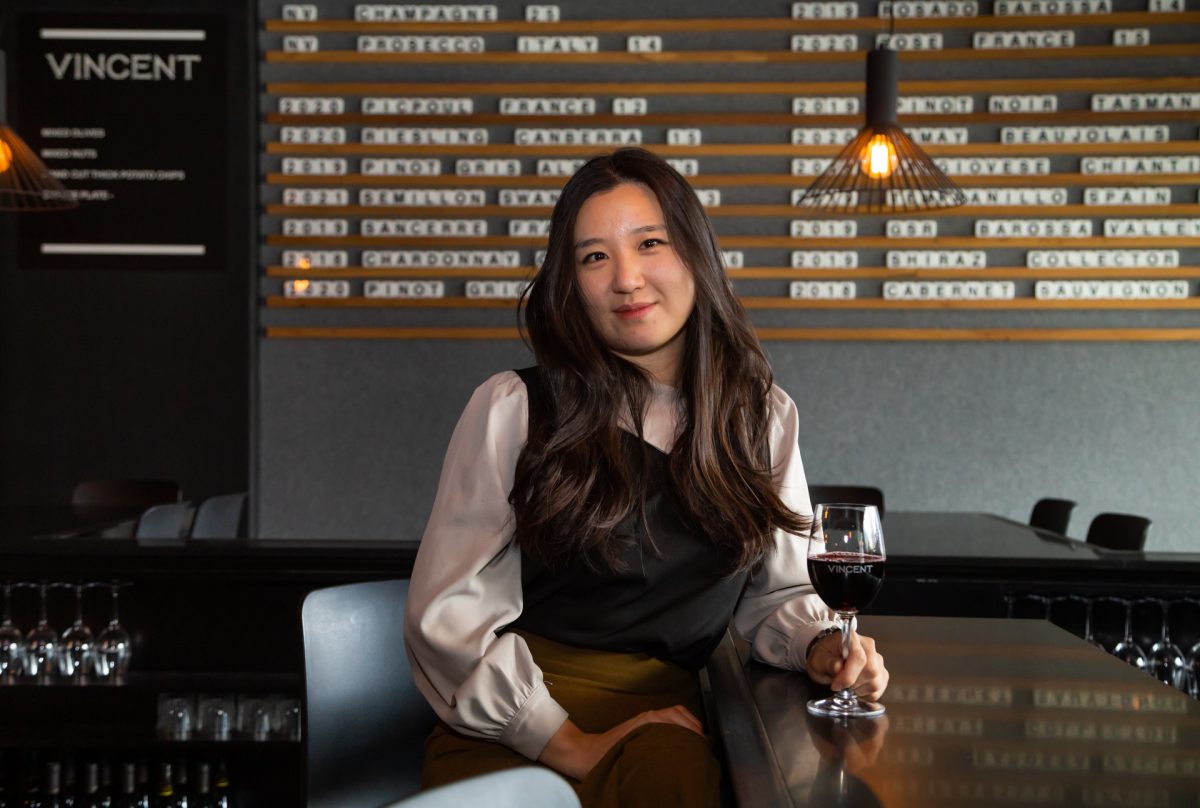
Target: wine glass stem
x=1128, y=622
x=847, y=698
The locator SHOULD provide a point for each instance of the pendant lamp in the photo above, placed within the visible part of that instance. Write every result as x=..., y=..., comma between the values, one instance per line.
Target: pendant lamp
x=25, y=182
x=881, y=171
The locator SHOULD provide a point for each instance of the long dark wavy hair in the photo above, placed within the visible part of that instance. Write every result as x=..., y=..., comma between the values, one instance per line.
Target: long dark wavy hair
x=573, y=484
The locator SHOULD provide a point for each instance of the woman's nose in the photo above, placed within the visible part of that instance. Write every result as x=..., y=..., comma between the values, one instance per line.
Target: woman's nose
x=627, y=274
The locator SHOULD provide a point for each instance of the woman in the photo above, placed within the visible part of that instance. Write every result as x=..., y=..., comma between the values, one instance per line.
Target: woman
x=602, y=517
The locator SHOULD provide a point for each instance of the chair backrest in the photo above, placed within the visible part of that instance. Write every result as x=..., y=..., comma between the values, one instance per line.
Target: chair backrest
x=170, y=521
x=222, y=517
x=849, y=494
x=525, y=787
x=1119, y=531
x=365, y=722
x=125, y=493
x=1052, y=514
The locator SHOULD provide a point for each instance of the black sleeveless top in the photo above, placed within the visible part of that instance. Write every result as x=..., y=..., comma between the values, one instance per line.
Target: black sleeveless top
x=673, y=604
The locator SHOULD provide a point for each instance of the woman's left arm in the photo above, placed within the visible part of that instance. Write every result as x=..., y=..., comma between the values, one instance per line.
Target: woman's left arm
x=780, y=614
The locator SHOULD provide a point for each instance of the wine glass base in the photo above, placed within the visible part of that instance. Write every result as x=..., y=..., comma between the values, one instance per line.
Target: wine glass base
x=830, y=707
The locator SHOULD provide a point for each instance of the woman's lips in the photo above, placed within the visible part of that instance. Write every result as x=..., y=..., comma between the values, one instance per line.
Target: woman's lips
x=633, y=310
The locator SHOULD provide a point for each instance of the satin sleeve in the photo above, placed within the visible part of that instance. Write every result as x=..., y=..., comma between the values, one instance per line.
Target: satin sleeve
x=780, y=612
x=466, y=585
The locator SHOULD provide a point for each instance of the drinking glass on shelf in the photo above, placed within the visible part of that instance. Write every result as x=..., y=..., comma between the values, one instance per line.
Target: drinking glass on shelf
x=1127, y=650
x=42, y=644
x=12, y=641
x=1167, y=664
x=76, y=658
x=114, y=645
x=846, y=564
x=215, y=716
x=175, y=717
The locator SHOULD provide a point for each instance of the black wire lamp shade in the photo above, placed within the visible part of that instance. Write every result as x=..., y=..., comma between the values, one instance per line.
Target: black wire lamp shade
x=25, y=182
x=881, y=171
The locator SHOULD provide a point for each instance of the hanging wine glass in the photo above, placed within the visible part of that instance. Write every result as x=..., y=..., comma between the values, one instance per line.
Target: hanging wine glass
x=1127, y=650
x=1166, y=659
x=1192, y=671
x=1074, y=613
x=114, y=645
x=1088, y=609
x=76, y=658
x=42, y=644
x=12, y=641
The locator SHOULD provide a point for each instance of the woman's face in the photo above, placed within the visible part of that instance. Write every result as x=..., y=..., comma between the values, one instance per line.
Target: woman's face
x=637, y=292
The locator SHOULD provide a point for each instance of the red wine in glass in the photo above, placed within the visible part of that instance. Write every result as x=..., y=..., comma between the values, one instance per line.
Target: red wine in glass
x=847, y=582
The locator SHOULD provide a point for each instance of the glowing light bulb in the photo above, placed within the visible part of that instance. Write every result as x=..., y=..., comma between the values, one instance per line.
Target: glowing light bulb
x=5, y=157
x=880, y=159
x=299, y=287
x=303, y=263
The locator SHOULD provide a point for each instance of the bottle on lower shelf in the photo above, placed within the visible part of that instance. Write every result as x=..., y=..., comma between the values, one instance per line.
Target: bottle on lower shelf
x=33, y=779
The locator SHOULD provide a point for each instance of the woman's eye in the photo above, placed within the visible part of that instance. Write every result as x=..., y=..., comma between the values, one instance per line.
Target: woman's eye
x=592, y=257
x=651, y=243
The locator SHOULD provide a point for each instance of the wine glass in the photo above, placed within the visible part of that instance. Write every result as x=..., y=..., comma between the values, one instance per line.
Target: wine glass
x=42, y=644
x=1127, y=650
x=1166, y=659
x=114, y=645
x=76, y=658
x=1088, y=605
x=12, y=641
x=846, y=565
x=1191, y=672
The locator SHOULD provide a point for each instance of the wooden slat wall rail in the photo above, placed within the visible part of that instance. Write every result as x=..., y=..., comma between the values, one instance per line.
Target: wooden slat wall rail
x=1108, y=84
x=733, y=57
x=774, y=273
x=279, y=302
x=662, y=26
x=788, y=334
x=735, y=242
x=739, y=149
x=309, y=152
x=726, y=180
x=740, y=119
x=721, y=211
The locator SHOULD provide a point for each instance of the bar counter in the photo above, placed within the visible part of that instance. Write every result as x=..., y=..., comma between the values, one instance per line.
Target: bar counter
x=980, y=712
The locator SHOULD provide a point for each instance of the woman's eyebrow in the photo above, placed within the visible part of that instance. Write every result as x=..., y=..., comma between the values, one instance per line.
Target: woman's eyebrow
x=648, y=228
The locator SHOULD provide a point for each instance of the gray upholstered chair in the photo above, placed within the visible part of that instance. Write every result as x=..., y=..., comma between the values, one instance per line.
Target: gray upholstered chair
x=365, y=722
x=222, y=517
x=527, y=787
x=1052, y=514
x=169, y=522
x=1119, y=531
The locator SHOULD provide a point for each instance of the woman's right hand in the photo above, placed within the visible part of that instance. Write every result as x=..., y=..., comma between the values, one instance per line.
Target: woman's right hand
x=574, y=753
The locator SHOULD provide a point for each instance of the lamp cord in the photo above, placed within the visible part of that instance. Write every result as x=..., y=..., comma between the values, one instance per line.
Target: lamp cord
x=891, y=24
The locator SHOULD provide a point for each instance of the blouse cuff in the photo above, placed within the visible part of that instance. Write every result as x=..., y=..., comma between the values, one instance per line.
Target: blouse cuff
x=801, y=637
x=534, y=724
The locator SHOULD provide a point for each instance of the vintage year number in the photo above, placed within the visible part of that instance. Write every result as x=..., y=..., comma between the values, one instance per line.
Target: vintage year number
x=300, y=44
x=644, y=44
x=299, y=13
x=543, y=14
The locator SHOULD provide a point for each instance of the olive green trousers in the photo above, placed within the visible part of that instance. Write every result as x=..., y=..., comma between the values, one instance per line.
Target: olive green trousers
x=655, y=765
